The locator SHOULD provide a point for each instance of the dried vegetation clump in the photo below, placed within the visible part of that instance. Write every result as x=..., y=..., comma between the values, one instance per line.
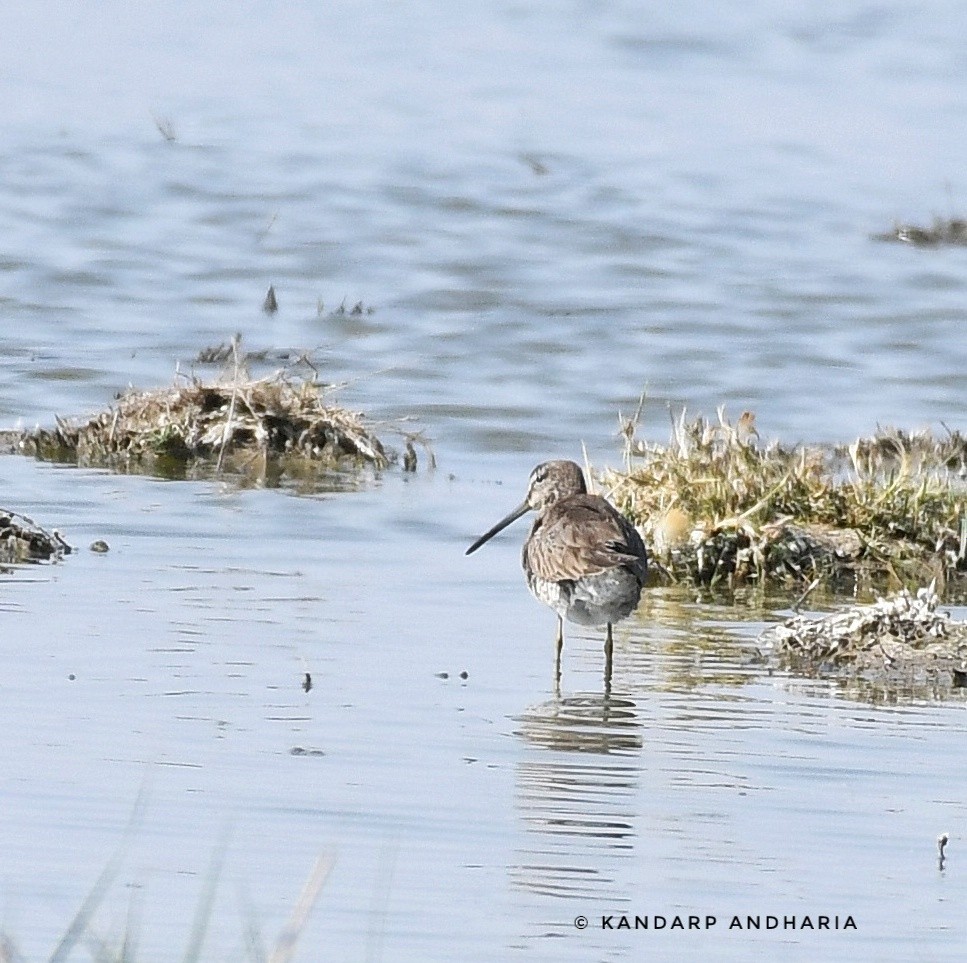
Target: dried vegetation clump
x=268, y=426
x=716, y=505
x=22, y=540
x=900, y=638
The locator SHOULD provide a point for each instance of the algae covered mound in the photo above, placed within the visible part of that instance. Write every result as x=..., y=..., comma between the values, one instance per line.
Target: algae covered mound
x=22, y=540
x=716, y=505
x=902, y=637
x=270, y=425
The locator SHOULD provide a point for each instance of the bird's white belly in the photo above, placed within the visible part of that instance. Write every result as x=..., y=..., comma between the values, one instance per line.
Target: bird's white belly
x=607, y=597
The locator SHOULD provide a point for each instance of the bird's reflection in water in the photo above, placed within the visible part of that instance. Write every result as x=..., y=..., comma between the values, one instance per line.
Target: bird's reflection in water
x=575, y=793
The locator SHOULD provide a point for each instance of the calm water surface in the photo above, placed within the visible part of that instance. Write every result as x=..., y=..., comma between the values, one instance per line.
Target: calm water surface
x=548, y=210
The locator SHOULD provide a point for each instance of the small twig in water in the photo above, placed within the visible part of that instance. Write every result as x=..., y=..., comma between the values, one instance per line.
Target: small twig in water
x=263, y=234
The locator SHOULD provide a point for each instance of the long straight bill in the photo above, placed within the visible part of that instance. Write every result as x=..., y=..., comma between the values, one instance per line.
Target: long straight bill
x=499, y=527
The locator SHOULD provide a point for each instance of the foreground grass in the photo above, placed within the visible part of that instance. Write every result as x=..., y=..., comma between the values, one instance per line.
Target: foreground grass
x=82, y=934
x=717, y=506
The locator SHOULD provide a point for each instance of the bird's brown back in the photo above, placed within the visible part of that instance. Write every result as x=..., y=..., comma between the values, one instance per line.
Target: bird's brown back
x=583, y=535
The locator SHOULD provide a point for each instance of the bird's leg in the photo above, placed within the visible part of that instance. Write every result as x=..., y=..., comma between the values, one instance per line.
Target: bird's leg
x=608, y=659
x=559, y=645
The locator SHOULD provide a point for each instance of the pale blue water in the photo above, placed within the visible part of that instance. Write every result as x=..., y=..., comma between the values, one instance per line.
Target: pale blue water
x=550, y=208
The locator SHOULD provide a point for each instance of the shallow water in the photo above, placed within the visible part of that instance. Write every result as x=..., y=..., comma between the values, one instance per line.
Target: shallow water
x=548, y=211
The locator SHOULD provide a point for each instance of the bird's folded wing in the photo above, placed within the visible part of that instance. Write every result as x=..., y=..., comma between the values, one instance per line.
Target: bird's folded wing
x=589, y=538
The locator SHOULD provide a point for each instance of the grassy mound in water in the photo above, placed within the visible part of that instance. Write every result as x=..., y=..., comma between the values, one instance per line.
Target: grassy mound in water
x=895, y=644
x=890, y=631
x=717, y=506
x=22, y=540
x=268, y=427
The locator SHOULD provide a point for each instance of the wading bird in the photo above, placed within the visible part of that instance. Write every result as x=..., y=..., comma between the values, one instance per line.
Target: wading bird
x=583, y=558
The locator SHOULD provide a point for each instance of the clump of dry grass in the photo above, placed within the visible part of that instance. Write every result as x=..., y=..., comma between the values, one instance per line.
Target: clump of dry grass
x=900, y=637
x=22, y=540
x=718, y=505
x=268, y=426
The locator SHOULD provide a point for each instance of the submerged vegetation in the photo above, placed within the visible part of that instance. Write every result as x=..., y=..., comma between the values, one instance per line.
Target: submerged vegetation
x=717, y=506
x=943, y=230
x=266, y=428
